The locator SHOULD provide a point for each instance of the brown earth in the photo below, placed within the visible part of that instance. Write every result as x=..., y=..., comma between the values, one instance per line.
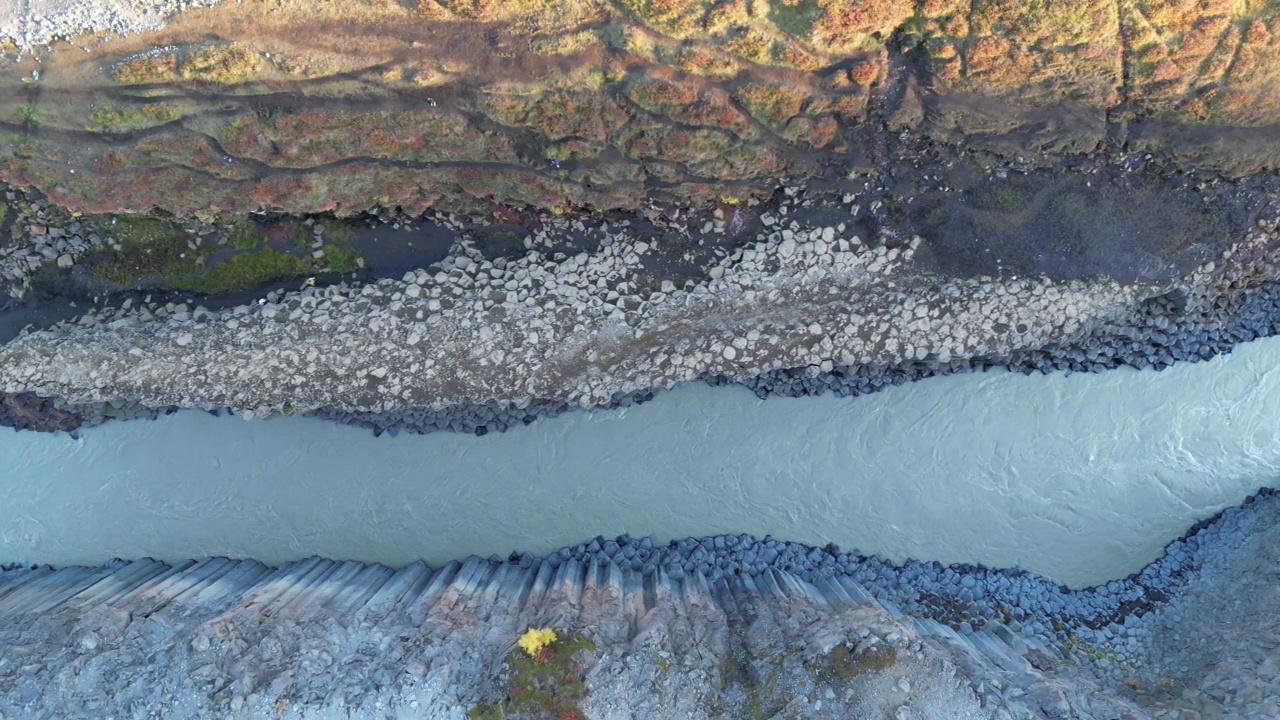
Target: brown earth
x=319, y=105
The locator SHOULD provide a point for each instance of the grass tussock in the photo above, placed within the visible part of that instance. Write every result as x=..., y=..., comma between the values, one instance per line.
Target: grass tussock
x=772, y=104
x=219, y=63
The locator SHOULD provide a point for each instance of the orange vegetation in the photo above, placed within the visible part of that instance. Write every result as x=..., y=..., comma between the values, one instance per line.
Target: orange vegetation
x=844, y=22
x=772, y=104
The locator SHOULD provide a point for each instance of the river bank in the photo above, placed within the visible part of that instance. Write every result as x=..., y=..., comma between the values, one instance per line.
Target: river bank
x=479, y=342
x=1019, y=647
x=904, y=258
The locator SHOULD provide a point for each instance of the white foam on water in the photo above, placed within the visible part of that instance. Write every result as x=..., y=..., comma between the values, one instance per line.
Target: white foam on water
x=1082, y=479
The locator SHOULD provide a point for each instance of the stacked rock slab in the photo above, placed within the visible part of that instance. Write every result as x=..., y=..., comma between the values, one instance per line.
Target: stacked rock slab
x=320, y=638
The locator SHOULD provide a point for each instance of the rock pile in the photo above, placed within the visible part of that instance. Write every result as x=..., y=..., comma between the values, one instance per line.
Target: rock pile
x=479, y=345
x=39, y=22
x=41, y=235
x=549, y=329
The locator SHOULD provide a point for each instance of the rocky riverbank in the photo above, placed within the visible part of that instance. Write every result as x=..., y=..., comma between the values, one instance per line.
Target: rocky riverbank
x=480, y=343
x=719, y=626
x=927, y=226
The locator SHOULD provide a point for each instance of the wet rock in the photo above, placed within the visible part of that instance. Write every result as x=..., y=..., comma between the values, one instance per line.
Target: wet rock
x=28, y=411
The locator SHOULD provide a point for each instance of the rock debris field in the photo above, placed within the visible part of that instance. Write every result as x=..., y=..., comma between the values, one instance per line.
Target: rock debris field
x=477, y=345
x=31, y=23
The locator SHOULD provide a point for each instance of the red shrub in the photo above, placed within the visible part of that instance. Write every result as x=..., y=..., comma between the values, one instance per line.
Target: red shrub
x=866, y=73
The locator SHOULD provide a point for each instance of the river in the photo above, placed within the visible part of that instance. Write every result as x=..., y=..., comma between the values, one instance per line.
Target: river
x=1082, y=479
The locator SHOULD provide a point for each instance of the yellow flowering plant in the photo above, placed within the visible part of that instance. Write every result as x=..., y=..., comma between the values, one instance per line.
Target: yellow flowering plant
x=536, y=639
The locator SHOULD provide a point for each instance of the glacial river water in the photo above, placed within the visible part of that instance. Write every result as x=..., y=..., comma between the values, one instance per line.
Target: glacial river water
x=1082, y=479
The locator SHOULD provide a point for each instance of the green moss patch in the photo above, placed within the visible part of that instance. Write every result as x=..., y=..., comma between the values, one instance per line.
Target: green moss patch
x=158, y=254
x=152, y=249
x=300, y=236
x=245, y=270
x=245, y=234
x=337, y=231
x=341, y=259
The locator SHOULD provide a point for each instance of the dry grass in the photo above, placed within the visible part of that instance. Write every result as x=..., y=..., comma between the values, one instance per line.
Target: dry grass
x=751, y=44
x=790, y=54
x=849, y=108
x=702, y=62
x=773, y=105
x=537, y=65
x=313, y=137
x=150, y=67
x=1031, y=51
x=1213, y=61
x=565, y=44
x=688, y=105
x=816, y=132
x=843, y=24
x=678, y=18
x=221, y=63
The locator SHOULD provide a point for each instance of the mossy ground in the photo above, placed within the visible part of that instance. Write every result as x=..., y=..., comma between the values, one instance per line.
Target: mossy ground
x=152, y=250
x=245, y=270
x=752, y=690
x=458, y=116
x=549, y=686
x=157, y=253
x=288, y=137
x=124, y=118
x=761, y=682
